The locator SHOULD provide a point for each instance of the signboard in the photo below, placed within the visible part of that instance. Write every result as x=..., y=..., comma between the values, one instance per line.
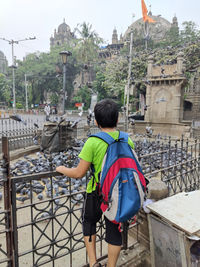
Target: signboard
x=78, y=105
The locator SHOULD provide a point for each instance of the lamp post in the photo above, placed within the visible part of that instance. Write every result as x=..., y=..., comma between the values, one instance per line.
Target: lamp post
x=64, y=55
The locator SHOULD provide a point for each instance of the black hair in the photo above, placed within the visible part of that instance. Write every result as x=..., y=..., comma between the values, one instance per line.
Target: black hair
x=106, y=113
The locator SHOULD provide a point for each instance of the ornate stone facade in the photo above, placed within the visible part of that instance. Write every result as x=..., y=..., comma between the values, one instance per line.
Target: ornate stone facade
x=165, y=92
x=62, y=36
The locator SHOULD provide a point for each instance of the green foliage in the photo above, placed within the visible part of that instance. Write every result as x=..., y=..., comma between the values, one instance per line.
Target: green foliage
x=98, y=85
x=5, y=89
x=83, y=96
x=88, y=44
x=54, y=99
x=190, y=32
x=44, y=70
x=19, y=105
x=116, y=77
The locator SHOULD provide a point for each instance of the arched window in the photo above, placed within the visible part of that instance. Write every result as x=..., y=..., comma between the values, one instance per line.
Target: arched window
x=187, y=106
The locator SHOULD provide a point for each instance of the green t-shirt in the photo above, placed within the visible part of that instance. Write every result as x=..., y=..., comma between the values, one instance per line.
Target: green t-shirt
x=94, y=150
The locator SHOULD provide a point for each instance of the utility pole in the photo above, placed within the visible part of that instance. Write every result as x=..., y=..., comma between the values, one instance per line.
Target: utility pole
x=12, y=42
x=26, y=95
x=127, y=93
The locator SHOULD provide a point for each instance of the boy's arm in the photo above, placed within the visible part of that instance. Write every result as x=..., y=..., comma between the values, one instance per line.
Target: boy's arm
x=77, y=172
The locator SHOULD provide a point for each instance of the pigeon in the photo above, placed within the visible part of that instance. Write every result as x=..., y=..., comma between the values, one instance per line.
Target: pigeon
x=22, y=198
x=36, y=125
x=17, y=118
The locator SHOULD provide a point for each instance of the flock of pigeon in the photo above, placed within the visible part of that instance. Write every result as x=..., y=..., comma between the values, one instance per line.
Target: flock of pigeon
x=60, y=185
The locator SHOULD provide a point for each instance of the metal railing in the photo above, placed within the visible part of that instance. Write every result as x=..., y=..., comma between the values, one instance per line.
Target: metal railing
x=43, y=221
x=175, y=161
x=10, y=127
x=47, y=229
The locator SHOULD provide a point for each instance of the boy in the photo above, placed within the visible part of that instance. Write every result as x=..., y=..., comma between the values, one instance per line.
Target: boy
x=106, y=117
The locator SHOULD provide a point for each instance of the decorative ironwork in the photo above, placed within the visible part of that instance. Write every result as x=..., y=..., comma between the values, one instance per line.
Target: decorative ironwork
x=55, y=222
x=176, y=162
x=51, y=223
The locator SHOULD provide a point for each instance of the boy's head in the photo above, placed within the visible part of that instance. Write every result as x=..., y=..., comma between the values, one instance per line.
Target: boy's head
x=106, y=113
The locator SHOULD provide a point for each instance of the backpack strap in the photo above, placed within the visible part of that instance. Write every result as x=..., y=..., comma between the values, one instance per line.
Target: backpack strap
x=104, y=136
x=124, y=136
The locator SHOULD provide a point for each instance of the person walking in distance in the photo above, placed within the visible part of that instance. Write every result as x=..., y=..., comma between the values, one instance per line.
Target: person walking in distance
x=47, y=110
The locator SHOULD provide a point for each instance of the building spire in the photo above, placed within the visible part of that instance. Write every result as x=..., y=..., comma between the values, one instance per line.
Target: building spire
x=114, y=36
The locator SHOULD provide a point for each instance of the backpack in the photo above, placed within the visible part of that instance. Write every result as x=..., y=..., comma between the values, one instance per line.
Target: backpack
x=122, y=183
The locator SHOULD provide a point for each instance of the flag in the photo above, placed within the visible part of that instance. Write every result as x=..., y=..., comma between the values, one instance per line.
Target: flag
x=144, y=13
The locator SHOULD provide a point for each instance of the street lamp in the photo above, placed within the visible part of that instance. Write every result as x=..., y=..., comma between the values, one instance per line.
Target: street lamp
x=64, y=55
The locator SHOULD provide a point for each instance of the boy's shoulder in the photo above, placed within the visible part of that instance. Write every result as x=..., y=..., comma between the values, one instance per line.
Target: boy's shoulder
x=114, y=135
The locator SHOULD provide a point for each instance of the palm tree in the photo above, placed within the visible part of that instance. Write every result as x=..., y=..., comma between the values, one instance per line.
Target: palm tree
x=88, y=44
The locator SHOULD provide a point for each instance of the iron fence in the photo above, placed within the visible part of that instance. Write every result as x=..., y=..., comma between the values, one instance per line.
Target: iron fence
x=53, y=225
x=46, y=231
x=6, y=241
x=175, y=161
x=10, y=128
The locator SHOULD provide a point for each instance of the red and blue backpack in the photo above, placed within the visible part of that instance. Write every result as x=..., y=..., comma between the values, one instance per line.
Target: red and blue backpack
x=122, y=183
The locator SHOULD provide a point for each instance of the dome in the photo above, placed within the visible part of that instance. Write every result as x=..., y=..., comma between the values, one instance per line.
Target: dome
x=63, y=28
x=157, y=30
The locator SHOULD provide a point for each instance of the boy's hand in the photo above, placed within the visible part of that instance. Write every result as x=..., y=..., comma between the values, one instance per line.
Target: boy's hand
x=77, y=172
x=60, y=169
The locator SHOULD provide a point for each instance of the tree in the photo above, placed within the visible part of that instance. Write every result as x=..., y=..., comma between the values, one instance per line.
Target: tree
x=116, y=72
x=5, y=89
x=44, y=74
x=88, y=44
x=83, y=96
x=190, y=32
x=99, y=84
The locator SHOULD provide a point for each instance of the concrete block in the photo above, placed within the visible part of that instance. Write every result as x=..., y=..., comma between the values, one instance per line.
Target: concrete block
x=157, y=189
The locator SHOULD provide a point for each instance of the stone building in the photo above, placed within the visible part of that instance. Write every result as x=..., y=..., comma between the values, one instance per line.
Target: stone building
x=113, y=49
x=157, y=30
x=3, y=63
x=62, y=36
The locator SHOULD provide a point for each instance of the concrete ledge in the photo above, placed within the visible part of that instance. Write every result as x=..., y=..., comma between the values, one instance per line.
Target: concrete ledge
x=21, y=152
x=165, y=128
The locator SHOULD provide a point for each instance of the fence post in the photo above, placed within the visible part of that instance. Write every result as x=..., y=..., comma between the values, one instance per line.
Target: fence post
x=7, y=199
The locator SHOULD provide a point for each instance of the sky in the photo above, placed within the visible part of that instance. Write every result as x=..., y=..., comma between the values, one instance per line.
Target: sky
x=20, y=19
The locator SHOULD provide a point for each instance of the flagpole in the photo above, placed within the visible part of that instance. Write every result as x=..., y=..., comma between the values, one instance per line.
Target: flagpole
x=146, y=34
x=147, y=19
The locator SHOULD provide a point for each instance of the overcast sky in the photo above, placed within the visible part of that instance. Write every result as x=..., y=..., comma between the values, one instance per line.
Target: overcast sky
x=21, y=19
